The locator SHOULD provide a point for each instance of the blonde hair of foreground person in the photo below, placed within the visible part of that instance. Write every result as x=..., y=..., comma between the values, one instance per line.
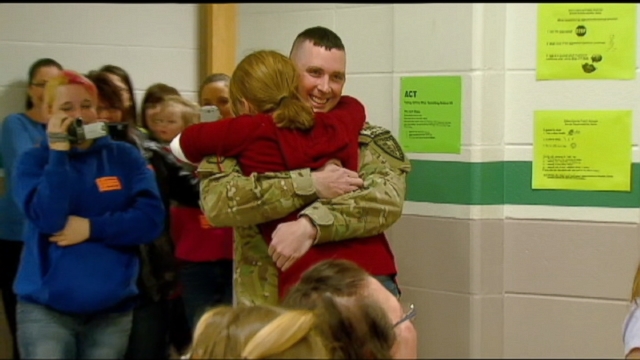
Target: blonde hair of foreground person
x=630, y=333
x=258, y=332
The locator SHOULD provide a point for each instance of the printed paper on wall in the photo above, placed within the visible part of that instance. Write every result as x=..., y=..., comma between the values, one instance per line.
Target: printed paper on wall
x=431, y=114
x=586, y=41
x=582, y=150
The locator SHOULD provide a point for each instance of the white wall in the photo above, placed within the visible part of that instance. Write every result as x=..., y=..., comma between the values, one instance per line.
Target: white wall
x=567, y=283
x=526, y=94
x=153, y=43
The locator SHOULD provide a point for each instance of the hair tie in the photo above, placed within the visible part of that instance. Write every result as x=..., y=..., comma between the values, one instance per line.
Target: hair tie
x=282, y=99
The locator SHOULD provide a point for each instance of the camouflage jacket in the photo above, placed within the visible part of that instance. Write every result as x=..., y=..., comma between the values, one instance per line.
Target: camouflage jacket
x=230, y=199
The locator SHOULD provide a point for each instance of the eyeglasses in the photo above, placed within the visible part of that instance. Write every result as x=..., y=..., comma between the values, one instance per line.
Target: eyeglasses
x=410, y=313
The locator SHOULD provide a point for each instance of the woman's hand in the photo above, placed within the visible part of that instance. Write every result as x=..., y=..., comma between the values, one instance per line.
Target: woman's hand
x=57, y=131
x=76, y=231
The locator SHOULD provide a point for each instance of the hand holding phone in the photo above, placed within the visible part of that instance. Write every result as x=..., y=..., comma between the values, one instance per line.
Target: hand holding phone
x=210, y=114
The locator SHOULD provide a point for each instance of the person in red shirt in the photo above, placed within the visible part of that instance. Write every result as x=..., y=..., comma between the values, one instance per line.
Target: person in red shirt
x=278, y=132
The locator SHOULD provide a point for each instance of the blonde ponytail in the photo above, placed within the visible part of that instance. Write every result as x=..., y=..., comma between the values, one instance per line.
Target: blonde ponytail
x=268, y=81
x=280, y=334
x=292, y=113
x=635, y=290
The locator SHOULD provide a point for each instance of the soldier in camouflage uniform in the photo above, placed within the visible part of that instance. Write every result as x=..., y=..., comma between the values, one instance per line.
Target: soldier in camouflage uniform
x=230, y=199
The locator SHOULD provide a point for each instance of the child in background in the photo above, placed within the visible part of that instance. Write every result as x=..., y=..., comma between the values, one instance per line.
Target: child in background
x=179, y=332
x=204, y=251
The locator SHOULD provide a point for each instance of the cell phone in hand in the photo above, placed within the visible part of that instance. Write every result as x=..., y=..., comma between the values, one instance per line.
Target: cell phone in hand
x=118, y=131
x=210, y=113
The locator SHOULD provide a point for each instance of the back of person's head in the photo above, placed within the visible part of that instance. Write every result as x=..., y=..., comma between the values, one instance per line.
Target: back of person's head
x=258, y=332
x=153, y=96
x=363, y=329
x=635, y=290
x=319, y=36
x=33, y=71
x=268, y=82
x=339, y=277
x=68, y=77
x=189, y=111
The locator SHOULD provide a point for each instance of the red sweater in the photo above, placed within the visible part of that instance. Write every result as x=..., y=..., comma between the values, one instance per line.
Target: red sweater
x=196, y=240
x=262, y=147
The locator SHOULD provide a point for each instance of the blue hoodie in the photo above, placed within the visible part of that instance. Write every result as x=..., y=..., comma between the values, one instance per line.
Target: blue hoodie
x=17, y=134
x=109, y=184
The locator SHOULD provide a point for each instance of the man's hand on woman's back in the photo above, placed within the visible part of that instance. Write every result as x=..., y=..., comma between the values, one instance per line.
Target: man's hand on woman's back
x=332, y=180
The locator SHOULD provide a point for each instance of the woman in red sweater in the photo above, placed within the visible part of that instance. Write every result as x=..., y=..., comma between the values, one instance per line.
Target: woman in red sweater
x=279, y=131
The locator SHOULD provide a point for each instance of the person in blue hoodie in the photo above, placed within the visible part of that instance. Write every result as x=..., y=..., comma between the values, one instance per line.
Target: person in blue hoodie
x=88, y=206
x=19, y=131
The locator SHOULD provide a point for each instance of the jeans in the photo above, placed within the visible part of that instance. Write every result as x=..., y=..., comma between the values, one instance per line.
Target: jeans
x=149, y=338
x=389, y=282
x=10, y=252
x=206, y=285
x=44, y=333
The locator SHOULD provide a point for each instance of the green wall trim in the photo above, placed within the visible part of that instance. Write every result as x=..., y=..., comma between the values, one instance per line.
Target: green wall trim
x=497, y=183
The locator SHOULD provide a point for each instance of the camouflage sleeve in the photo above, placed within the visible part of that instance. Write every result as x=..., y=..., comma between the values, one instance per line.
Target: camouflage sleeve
x=228, y=198
x=378, y=205
x=255, y=280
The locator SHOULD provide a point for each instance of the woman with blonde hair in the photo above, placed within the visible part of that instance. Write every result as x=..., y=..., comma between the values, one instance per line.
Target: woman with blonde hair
x=631, y=326
x=258, y=332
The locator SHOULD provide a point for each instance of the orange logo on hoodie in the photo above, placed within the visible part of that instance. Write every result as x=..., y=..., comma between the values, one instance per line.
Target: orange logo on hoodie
x=108, y=183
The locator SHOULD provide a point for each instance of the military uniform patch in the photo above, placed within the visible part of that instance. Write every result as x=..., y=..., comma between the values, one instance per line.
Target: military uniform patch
x=384, y=140
x=373, y=131
x=390, y=145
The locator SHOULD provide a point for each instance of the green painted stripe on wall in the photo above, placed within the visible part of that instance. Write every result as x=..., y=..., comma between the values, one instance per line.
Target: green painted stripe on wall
x=497, y=183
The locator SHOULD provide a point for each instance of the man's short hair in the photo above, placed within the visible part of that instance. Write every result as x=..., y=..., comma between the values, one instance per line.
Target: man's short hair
x=364, y=330
x=318, y=36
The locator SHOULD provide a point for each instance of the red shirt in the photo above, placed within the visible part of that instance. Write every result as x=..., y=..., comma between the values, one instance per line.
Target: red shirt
x=262, y=147
x=196, y=240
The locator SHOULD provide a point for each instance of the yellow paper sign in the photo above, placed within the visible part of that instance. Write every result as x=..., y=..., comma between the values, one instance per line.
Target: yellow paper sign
x=582, y=150
x=586, y=41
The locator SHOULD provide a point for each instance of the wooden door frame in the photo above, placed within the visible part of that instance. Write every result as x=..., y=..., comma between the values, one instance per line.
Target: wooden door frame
x=219, y=34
